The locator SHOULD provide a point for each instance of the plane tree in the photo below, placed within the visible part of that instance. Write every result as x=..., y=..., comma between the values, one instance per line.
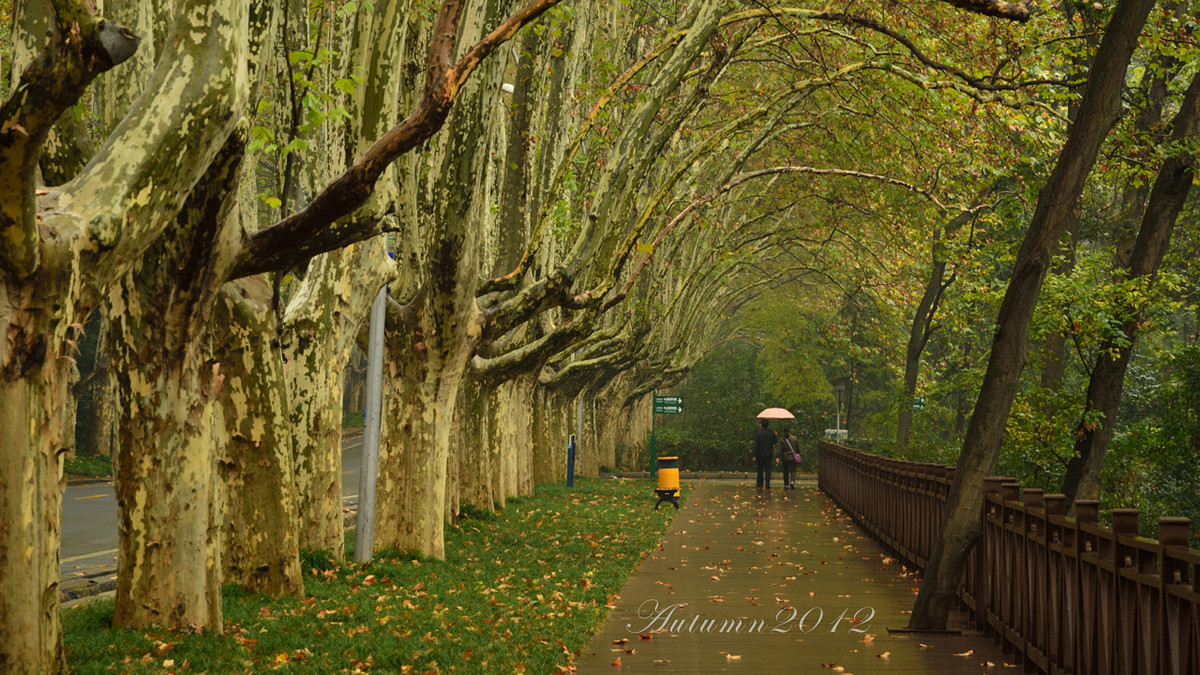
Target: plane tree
x=166, y=167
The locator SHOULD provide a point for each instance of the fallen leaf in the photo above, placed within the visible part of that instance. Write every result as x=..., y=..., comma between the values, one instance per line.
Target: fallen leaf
x=883, y=655
x=620, y=641
x=733, y=657
x=966, y=653
x=617, y=663
x=646, y=636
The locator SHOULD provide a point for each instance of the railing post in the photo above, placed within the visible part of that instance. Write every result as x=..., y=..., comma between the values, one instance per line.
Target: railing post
x=1087, y=644
x=1059, y=618
x=1125, y=592
x=1033, y=566
x=985, y=556
x=1067, y=594
x=1173, y=574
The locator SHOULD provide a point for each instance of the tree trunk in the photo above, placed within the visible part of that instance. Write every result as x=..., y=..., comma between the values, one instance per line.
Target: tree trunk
x=514, y=436
x=477, y=457
x=316, y=428
x=168, y=501
x=1053, y=347
x=31, y=405
x=321, y=324
x=414, y=455
x=1167, y=197
x=1098, y=112
x=259, y=543
x=168, y=558
x=917, y=337
x=99, y=438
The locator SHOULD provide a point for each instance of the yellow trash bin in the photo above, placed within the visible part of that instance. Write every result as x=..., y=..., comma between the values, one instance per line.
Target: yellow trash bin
x=668, y=481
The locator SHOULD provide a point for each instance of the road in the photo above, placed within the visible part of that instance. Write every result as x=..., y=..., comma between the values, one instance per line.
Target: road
x=89, y=519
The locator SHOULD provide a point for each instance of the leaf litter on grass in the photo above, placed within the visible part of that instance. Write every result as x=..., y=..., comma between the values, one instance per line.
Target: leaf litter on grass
x=520, y=590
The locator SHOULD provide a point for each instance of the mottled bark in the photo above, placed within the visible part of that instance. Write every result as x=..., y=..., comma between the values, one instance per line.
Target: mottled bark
x=33, y=388
x=512, y=411
x=170, y=433
x=259, y=542
x=1098, y=112
x=40, y=309
x=307, y=233
x=321, y=323
x=323, y=318
x=475, y=458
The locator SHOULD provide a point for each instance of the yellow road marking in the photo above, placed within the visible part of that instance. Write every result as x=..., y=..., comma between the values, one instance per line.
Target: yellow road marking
x=89, y=555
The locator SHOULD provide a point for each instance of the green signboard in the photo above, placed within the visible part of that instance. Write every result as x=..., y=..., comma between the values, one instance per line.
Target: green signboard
x=668, y=405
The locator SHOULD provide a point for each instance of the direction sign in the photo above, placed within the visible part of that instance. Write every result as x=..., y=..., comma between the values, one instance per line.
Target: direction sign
x=668, y=405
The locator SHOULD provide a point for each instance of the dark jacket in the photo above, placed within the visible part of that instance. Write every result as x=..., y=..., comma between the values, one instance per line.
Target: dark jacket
x=785, y=452
x=764, y=443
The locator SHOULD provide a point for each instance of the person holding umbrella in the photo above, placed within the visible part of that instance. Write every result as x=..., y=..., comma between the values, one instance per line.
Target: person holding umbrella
x=764, y=444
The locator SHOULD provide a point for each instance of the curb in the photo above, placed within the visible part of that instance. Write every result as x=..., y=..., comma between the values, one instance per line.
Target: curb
x=95, y=480
x=74, y=591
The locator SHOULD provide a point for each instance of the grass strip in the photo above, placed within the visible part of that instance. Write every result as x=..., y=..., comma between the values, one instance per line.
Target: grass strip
x=520, y=591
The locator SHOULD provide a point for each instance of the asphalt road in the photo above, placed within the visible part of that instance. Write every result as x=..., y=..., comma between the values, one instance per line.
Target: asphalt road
x=89, y=519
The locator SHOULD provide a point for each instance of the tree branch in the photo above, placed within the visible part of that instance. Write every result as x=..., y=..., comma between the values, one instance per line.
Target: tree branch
x=83, y=47
x=976, y=82
x=314, y=230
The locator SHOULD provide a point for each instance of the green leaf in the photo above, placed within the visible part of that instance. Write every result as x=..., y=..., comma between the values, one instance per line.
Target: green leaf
x=345, y=84
x=297, y=145
x=300, y=56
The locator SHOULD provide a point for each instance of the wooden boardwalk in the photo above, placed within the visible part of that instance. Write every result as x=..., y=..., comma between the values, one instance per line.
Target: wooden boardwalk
x=754, y=582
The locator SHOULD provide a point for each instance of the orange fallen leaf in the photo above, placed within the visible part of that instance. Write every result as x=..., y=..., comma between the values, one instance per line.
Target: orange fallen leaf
x=620, y=641
x=646, y=636
x=883, y=655
x=617, y=663
x=966, y=653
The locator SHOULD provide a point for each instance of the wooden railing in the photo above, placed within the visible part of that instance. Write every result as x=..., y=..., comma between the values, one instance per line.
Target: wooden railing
x=1066, y=595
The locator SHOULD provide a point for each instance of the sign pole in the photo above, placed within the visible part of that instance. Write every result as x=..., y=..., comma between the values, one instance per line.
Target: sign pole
x=653, y=450
x=364, y=533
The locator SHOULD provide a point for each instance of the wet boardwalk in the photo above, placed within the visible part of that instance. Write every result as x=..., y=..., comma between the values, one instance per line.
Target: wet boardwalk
x=773, y=583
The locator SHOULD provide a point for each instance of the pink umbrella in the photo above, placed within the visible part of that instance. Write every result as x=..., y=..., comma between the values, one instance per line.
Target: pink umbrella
x=776, y=414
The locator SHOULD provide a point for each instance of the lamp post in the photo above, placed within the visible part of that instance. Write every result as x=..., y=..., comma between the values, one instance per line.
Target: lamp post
x=837, y=393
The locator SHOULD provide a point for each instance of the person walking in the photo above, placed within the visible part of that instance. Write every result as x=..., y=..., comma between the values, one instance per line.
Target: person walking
x=789, y=454
x=764, y=452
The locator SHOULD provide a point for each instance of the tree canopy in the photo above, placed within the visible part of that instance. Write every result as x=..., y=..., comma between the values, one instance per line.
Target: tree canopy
x=982, y=207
